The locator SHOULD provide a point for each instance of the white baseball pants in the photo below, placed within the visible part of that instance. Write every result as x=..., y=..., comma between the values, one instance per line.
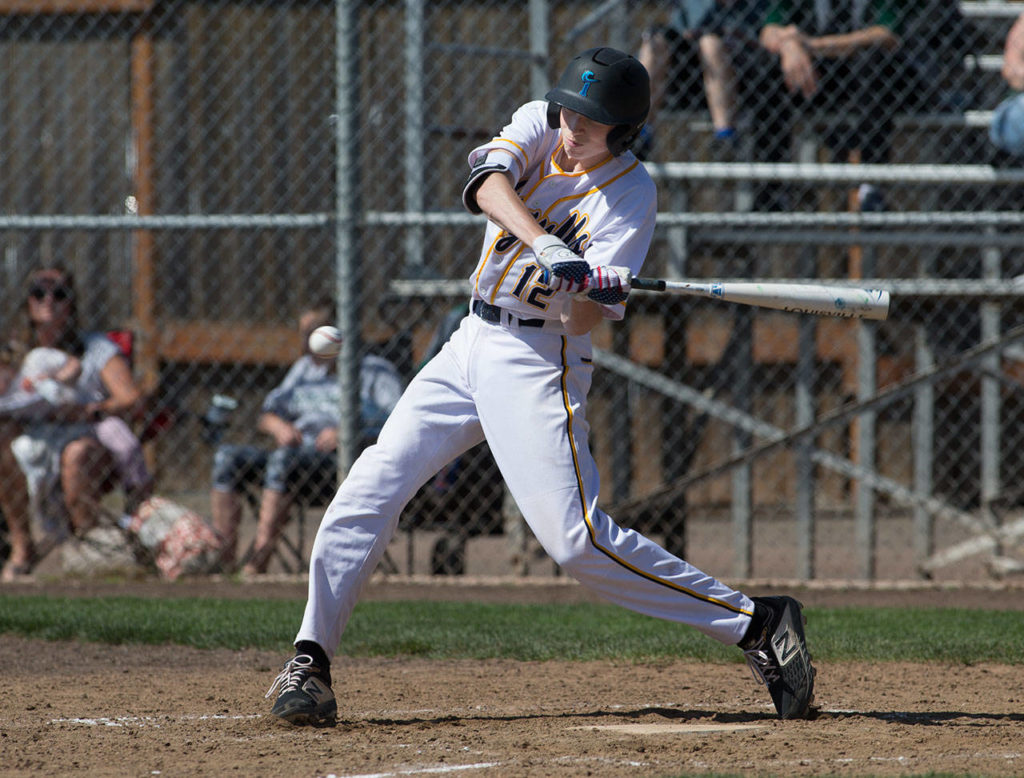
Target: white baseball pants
x=524, y=390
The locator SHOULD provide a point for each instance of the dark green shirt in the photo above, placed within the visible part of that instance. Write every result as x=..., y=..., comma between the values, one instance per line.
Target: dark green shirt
x=827, y=17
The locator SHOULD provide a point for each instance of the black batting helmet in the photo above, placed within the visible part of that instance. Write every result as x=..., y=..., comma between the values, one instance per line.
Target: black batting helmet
x=608, y=86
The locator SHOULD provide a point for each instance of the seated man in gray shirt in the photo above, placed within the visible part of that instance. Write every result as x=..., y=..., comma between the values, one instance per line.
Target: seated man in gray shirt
x=301, y=414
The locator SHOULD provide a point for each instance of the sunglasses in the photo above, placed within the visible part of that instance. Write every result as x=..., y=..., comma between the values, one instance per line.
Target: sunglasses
x=59, y=293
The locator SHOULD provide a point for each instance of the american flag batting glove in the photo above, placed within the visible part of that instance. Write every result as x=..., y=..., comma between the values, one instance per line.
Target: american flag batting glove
x=607, y=284
x=563, y=269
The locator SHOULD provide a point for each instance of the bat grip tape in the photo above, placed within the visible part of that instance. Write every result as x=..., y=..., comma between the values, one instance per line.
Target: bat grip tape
x=649, y=284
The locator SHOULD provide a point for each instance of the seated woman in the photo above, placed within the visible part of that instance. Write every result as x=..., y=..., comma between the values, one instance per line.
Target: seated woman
x=69, y=461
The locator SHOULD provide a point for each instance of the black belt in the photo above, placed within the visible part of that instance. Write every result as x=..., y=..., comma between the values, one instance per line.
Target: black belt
x=492, y=313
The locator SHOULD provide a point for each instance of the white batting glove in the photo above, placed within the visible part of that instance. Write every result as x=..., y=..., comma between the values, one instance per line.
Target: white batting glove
x=607, y=284
x=564, y=269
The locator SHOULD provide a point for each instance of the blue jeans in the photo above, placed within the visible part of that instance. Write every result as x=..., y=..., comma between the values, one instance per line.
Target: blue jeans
x=288, y=469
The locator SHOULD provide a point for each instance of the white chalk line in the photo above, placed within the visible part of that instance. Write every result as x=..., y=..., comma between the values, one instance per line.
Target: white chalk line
x=488, y=765
x=148, y=721
x=154, y=721
x=667, y=729
x=422, y=770
x=601, y=760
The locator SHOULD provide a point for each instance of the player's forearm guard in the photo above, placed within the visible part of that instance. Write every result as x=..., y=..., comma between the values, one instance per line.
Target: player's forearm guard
x=480, y=171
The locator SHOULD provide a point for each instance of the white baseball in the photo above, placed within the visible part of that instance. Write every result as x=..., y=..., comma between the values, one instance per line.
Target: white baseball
x=325, y=341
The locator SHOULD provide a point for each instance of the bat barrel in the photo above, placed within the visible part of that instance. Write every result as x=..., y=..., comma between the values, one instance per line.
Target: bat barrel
x=816, y=299
x=878, y=309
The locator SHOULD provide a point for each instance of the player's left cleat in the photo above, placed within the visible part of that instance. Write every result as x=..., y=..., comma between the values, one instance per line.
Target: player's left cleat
x=304, y=694
x=778, y=656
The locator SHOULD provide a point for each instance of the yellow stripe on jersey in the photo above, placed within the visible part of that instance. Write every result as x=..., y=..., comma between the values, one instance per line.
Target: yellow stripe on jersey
x=483, y=263
x=558, y=167
x=525, y=162
x=563, y=173
x=486, y=258
x=593, y=189
x=501, y=280
x=589, y=521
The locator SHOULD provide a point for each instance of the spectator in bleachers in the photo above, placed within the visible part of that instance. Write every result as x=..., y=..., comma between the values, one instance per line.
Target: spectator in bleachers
x=700, y=54
x=1013, y=56
x=1007, y=130
x=301, y=415
x=76, y=468
x=47, y=380
x=844, y=60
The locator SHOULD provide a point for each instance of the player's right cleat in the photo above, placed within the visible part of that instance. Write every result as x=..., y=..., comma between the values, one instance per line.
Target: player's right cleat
x=304, y=694
x=778, y=656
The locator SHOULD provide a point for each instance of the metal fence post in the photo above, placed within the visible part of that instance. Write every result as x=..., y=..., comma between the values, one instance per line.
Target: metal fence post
x=923, y=443
x=806, y=373
x=346, y=209
x=539, y=41
x=742, y=478
x=991, y=402
x=413, y=135
x=867, y=386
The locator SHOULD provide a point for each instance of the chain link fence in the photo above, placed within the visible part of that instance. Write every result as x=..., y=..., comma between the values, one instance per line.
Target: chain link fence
x=211, y=170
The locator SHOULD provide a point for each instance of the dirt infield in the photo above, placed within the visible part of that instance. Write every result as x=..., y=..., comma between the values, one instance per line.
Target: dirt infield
x=68, y=708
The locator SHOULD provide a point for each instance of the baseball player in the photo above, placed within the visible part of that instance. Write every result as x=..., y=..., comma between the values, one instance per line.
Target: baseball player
x=570, y=215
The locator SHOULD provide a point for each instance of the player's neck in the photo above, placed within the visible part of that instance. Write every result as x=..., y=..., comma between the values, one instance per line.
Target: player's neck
x=577, y=165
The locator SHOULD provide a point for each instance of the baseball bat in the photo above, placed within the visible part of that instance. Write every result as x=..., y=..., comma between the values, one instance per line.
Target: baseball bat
x=842, y=301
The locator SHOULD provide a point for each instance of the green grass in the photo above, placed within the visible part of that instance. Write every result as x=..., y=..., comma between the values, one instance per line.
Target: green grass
x=522, y=632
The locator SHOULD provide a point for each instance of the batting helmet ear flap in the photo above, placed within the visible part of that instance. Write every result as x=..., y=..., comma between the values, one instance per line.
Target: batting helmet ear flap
x=554, y=115
x=622, y=137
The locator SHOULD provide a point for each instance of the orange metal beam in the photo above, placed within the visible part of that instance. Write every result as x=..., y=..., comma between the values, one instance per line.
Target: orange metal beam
x=144, y=274
x=214, y=342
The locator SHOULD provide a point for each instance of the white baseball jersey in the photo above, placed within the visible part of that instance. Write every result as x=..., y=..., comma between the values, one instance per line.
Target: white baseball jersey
x=512, y=375
x=605, y=214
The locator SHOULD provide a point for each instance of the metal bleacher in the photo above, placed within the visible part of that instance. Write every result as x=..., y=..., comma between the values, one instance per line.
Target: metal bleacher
x=955, y=192
x=950, y=191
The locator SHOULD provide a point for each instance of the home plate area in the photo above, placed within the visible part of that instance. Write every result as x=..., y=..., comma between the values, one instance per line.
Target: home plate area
x=74, y=708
